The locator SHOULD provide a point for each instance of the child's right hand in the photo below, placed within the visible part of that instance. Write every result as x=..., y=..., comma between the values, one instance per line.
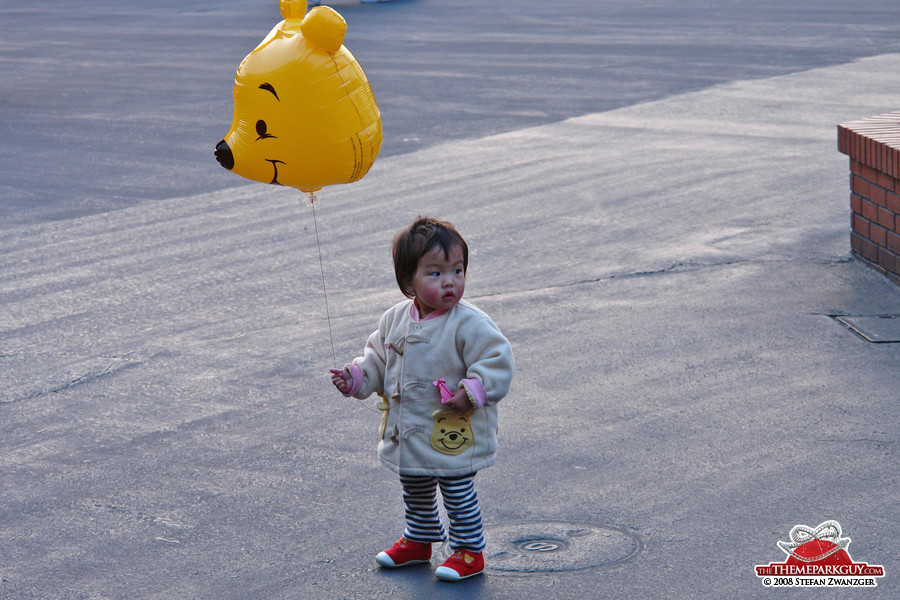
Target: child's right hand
x=342, y=379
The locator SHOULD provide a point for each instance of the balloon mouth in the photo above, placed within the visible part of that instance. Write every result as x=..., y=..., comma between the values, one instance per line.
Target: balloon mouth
x=275, y=164
x=224, y=155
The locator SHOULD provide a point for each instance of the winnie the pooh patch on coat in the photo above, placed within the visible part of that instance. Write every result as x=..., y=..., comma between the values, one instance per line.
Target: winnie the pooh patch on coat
x=452, y=433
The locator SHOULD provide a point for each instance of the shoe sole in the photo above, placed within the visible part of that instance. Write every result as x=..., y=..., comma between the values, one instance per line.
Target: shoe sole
x=448, y=574
x=385, y=561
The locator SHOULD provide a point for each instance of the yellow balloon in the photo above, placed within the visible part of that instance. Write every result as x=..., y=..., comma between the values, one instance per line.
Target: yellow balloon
x=304, y=113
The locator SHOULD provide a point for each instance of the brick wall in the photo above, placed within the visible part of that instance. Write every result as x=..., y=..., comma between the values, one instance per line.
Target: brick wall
x=873, y=146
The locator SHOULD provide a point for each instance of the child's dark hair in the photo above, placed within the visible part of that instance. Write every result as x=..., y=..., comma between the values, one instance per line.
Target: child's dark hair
x=415, y=241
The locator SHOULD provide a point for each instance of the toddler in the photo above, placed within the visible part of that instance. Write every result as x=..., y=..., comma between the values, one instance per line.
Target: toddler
x=440, y=366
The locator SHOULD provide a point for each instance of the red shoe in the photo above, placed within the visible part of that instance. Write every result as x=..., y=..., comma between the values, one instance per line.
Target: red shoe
x=462, y=565
x=404, y=552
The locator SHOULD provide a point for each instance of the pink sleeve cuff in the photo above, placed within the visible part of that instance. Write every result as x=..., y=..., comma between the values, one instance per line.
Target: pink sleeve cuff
x=476, y=392
x=358, y=375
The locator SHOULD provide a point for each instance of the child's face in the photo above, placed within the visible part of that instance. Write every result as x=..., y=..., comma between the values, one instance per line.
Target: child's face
x=440, y=280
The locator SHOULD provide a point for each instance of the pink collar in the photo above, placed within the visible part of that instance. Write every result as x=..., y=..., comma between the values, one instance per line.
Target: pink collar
x=414, y=312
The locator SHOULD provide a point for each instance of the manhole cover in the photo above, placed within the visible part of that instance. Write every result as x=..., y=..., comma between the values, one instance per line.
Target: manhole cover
x=553, y=546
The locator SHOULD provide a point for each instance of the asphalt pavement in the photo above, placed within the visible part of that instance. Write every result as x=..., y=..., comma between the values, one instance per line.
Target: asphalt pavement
x=658, y=220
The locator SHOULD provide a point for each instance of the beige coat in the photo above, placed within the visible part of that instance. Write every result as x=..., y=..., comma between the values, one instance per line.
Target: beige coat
x=404, y=358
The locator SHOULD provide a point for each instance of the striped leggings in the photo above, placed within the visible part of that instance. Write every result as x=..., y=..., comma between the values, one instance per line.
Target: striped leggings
x=423, y=524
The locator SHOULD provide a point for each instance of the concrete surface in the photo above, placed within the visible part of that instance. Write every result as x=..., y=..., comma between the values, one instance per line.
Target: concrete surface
x=667, y=271
x=108, y=104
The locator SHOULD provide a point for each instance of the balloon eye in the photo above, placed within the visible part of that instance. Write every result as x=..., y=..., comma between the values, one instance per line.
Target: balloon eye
x=262, y=130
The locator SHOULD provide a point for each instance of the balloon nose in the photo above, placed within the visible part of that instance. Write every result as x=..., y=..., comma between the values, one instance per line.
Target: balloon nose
x=224, y=155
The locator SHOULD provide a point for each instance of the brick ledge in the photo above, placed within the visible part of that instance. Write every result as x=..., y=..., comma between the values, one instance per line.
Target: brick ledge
x=873, y=146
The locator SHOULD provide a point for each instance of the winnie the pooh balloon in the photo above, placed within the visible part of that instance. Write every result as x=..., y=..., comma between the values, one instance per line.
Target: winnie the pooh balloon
x=304, y=113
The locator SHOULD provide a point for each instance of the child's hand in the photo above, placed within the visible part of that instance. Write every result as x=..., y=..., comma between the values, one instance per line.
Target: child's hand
x=342, y=379
x=460, y=401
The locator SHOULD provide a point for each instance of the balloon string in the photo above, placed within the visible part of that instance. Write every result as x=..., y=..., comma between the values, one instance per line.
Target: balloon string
x=312, y=201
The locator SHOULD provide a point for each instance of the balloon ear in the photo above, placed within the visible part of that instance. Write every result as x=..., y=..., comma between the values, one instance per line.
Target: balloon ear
x=292, y=9
x=325, y=28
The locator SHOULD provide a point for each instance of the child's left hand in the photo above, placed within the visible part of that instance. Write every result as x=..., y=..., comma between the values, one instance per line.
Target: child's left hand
x=460, y=401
